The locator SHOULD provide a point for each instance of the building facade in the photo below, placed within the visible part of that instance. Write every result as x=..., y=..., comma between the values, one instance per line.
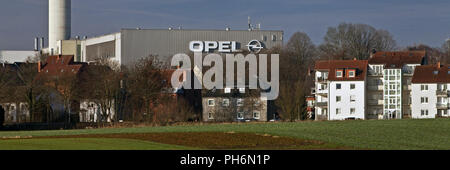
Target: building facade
x=384, y=93
x=228, y=105
x=430, y=92
x=129, y=45
x=340, y=89
x=389, y=83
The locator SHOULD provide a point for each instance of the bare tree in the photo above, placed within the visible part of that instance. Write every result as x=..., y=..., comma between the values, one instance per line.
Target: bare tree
x=301, y=46
x=145, y=85
x=347, y=41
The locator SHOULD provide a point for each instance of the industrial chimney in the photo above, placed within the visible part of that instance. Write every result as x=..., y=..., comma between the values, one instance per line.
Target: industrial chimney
x=59, y=22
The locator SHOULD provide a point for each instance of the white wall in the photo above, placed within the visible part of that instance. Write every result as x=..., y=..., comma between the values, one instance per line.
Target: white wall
x=345, y=92
x=16, y=56
x=102, y=39
x=417, y=106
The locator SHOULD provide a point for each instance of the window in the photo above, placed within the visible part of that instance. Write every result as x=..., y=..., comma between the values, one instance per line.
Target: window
x=339, y=73
x=257, y=103
x=256, y=115
x=352, y=111
x=240, y=102
x=424, y=100
x=227, y=90
x=352, y=98
x=274, y=37
x=352, y=86
x=424, y=112
x=226, y=102
x=435, y=72
x=211, y=102
x=338, y=98
x=338, y=86
x=210, y=115
x=241, y=90
x=338, y=111
x=424, y=87
x=351, y=73
x=240, y=115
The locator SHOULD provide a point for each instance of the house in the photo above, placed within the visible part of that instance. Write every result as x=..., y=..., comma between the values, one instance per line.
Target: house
x=389, y=83
x=340, y=89
x=430, y=91
x=70, y=80
x=12, y=100
x=234, y=105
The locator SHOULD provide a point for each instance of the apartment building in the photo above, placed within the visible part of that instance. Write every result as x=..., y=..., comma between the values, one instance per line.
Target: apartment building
x=389, y=83
x=380, y=89
x=234, y=104
x=340, y=89
x=430, y=92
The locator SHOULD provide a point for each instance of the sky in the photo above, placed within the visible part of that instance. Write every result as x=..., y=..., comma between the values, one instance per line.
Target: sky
x=409, y=21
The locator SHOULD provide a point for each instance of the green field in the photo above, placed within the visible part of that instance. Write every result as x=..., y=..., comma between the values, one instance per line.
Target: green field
x=373, y=134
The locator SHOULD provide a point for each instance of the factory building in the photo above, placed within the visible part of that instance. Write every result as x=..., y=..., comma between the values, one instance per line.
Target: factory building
x=129, y=45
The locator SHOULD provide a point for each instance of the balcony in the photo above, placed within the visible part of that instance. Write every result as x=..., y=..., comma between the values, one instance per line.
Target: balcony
x=444, y=106
x=408, y=71
x=321, y=104
x=407, y=87
x=322, y=92
x=373, y=73
x=375, y=87
x=442, y=93
x=321, y=79
x=375, y=102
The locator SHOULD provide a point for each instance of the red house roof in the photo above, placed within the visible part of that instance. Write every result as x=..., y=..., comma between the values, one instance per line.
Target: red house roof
x=432, y=74
x=398, y=59
x=360, y=66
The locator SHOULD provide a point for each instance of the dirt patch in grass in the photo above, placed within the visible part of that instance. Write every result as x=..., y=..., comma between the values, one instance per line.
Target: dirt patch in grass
x=218, y=140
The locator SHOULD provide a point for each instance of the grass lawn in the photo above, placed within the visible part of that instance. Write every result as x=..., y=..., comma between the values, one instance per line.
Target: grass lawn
x=85, y=144
x=371, y=134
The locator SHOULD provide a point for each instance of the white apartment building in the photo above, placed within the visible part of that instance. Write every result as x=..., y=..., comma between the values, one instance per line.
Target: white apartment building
x=389, y=83
x=340, y=89
x=430, y=92
x=381, y=89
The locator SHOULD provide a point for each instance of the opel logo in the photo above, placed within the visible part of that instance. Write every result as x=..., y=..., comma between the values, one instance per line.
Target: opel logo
x=254, y=46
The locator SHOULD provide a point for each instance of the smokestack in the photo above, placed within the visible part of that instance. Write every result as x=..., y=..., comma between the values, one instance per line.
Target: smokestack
x=59, y=22
x=42, y=43
x=36, y=42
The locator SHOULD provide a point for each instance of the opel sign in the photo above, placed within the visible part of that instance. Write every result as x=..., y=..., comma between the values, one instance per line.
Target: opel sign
x=254, y=46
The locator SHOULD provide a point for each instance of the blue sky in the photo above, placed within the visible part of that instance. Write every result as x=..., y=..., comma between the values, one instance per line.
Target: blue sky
x=410, y=21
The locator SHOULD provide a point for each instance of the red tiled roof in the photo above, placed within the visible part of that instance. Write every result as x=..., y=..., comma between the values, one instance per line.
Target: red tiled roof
x=427, y=74
x=333, y=65
x=59, y=64
x=397, y=59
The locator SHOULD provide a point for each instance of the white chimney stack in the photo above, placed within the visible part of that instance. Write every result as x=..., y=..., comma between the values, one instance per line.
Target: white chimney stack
x=59, y=22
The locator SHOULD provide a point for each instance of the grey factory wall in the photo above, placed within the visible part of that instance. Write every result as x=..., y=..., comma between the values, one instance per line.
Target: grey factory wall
x=137, y=44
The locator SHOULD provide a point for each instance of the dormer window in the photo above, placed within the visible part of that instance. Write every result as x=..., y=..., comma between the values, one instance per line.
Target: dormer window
x=339, y=73
x=435, y=72
x=351, y=73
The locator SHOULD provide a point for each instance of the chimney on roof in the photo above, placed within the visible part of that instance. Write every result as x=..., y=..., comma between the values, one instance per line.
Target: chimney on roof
x=39, y=66
x=439, y=65
x=354, y=59
x=373, y=52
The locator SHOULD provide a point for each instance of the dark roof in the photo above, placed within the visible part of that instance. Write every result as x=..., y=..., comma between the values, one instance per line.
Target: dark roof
x=432, y=74
x=398, y=59
x=333, y=65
